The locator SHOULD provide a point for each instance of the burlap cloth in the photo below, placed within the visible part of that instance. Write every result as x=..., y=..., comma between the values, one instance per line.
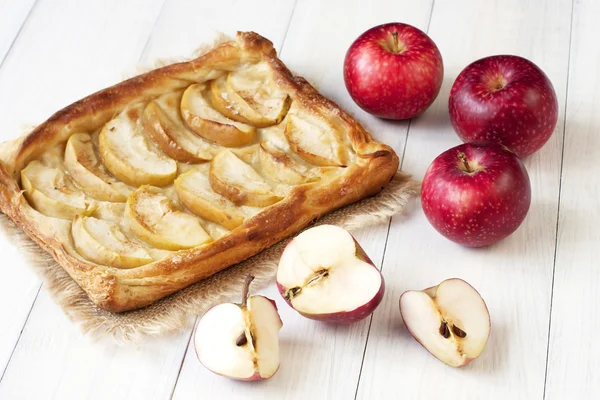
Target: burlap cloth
x=179, y=310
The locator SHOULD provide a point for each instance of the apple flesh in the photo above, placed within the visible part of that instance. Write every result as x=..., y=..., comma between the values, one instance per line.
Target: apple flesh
x=325, y=275
x=476, y=194
x=505, y=99
x=393, y=71
x=450, y=320
x=240, y=341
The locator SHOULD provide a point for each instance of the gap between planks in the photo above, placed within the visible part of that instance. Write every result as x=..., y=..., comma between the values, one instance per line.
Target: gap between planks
x=142, y=54
x=562, y=160
x=388, y=230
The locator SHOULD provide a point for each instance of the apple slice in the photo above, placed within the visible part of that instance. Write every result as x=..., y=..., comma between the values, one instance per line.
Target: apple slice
x=315, y=140
x=256, y=86
x=240, y=341
x=324, y=274
x=196, y=194
x=450, y=320
x=50, y=191
x=229, y=103
x=89, y=173
x=104, y=243
x=153, y=219
x=281, y=167
x=209, y=124
x=164, y=126
x=127, y=154
x=239, y=182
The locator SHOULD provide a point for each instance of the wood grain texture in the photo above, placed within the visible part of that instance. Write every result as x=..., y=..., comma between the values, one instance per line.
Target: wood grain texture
x=318, y=361
x=67, y=49
x=573, y=361
x=50, y=65
x=13, y=16
x=72, y=366
x=513, y=276
x=55, y=361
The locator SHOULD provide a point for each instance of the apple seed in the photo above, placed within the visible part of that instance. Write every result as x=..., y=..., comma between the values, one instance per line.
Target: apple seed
x=444, y=331
x=242, y=340
x=459, y=332
x=292, y=292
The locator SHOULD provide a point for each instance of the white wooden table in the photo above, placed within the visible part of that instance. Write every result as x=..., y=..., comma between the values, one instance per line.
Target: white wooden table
x=541, y=284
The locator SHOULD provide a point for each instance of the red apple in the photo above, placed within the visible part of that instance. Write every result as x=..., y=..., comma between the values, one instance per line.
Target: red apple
x=504, y=99
x=393, y=71
x=476, y=194
x=325, y=275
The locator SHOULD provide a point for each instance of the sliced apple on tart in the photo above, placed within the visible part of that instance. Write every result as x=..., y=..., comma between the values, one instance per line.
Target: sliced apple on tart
x=196, y=194
x=51, y=192
x=129, y=156
x=206, y=122
x=163, y=124
x=230, y=103
x=315, y=140
x=279, y=166
x=104, y=243
x=239, y=182
x=88, y=172
x=153, y=218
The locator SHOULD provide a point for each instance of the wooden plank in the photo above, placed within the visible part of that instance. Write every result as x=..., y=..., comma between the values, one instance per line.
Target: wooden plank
x=54, y=360
x=13, y=16
x=513, y=276
x=51, y=65
x=573, y=349
x=318, y=360
x=71, y=365
x=10, y=24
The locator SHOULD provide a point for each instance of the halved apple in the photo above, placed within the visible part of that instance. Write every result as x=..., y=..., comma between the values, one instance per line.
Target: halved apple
x=239, y=182
x=153, y=218
x=209, y=124
x=50, y=191
x=195, y=193
x=240, y=341
x=315, y=140
x=324, y=274
x=450, y=320
x=167, y=130
x=229, y=103
x=104, y=243
x=127, y=154
x=89, y=173
x=281, y=167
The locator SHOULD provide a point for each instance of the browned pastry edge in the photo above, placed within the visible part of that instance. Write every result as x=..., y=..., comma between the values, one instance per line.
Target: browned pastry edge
x=119, y=290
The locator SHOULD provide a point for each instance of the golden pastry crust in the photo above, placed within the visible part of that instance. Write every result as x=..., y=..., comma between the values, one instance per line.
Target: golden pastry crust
x=116, y=289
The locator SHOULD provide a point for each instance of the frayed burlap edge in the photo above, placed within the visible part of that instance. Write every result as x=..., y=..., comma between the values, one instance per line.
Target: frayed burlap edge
x=179, y=310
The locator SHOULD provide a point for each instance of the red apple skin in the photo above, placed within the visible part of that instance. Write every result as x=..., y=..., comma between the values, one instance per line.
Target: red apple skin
x=345, y=317
x=478, y=208
x=393, y=85
x=504, y=99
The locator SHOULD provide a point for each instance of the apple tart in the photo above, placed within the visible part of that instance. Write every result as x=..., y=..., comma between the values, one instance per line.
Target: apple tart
x=148, y=186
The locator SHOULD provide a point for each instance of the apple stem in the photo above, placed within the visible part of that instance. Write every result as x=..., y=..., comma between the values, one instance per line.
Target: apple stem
x=395, y=48
x=246, y=288
x=463, y=158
